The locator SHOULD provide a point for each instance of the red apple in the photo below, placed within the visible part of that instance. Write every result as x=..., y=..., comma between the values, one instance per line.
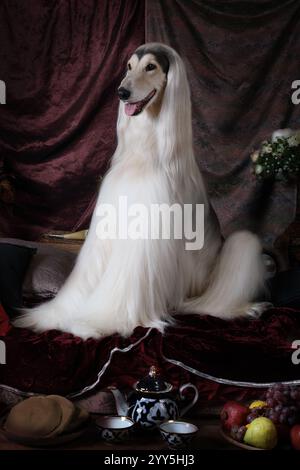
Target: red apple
x=295, y=436
x=233, y=413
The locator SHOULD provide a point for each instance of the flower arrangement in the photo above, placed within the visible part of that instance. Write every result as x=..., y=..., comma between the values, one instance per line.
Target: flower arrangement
x=278, y=158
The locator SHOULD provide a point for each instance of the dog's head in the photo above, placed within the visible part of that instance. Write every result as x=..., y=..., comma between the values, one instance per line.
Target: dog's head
x=156, y=83
x=145, y=79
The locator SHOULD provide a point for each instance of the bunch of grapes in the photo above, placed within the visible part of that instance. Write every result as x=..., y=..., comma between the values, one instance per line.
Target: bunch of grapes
x=255, y=413
x=238, y=432
x=283, y=404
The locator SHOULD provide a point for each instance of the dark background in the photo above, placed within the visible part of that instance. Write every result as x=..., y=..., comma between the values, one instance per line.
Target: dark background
x=62, y=62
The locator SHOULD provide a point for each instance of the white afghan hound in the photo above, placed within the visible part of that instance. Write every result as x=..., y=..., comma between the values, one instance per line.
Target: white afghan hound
x=120, y=283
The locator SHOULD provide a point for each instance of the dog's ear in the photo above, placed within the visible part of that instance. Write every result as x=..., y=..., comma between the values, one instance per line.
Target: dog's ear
x=175, y=129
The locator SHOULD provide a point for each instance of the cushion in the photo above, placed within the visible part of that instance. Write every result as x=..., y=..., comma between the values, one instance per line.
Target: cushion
x=46, y=272
x=14, y=261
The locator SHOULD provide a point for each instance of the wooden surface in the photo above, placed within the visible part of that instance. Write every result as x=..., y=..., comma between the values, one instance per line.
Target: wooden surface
x=209, y=437
x=63, y=244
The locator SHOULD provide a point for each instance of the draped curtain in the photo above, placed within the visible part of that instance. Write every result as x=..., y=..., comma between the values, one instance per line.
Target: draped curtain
x=242, y=57
x=61, y=61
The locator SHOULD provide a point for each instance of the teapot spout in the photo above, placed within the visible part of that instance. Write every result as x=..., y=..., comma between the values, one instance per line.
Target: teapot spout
x=121, y=404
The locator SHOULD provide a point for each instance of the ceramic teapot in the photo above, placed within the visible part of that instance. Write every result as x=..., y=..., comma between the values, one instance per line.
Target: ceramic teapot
x=154, y=401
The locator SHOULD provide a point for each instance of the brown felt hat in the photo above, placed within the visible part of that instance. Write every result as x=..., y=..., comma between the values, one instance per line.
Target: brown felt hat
x=68, y=410
x=79, y=417
x=44, y=417
x=34, y=417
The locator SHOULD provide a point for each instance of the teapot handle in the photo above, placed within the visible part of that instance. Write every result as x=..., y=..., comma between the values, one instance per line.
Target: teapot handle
x=192, y=403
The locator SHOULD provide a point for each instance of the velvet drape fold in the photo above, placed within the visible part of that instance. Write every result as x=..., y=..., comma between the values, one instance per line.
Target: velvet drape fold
x=242, y=57
x=62, y=62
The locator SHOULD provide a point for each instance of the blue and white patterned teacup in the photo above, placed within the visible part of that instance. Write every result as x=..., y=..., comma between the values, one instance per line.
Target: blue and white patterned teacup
x=178, y=434
x=114, y=428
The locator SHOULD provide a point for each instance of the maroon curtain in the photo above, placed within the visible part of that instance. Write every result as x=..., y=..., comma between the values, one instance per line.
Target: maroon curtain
x=242, y=57
x=62, y=62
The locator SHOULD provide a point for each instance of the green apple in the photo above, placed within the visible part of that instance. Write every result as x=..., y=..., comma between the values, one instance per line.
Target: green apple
x=261, y=433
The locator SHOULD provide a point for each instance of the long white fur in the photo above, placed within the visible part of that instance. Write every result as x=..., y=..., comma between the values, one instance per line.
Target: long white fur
x=117, y=285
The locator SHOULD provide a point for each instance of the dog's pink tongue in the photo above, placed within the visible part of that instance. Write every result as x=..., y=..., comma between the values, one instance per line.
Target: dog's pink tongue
x=131, y=108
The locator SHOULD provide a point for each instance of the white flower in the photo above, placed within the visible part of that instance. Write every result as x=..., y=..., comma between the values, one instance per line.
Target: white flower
x=258, y=169
x=281, y=134
x=267, y=148
x=294, y=140
x=254, y=156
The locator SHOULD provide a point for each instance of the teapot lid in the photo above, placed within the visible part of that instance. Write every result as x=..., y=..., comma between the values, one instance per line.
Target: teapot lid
x=153, y=383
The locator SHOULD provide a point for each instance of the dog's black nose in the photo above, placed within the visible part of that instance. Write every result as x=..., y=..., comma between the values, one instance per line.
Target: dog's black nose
x=123, y=93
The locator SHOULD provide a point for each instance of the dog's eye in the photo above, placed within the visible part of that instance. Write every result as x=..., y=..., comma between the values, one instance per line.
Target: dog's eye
x=129, y=66
x=150, y=67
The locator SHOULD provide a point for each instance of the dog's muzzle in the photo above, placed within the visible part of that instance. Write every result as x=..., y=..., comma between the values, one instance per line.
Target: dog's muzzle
x=133, y=109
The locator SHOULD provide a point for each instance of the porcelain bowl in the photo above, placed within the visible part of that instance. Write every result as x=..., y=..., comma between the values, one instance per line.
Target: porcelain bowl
x=114, y=428
x=178, y=434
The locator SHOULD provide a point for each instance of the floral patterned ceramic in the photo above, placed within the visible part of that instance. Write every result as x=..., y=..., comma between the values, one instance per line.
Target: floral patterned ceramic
x=178, y=434
x=154, y=402
x=114, y=428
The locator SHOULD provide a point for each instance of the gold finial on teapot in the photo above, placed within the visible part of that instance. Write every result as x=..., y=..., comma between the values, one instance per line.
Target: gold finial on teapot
x=153, y=372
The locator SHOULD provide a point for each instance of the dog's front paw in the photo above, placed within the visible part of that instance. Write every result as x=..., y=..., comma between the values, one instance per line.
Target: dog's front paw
x=84, y=331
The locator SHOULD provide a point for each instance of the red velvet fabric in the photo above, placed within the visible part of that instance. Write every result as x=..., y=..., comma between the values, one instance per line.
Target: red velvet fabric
x=62, y=62
x=241, y=60
x=4, y=322
x=253, y=351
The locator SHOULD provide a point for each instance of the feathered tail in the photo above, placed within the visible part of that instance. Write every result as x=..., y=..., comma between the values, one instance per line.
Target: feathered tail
x=236, y=281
